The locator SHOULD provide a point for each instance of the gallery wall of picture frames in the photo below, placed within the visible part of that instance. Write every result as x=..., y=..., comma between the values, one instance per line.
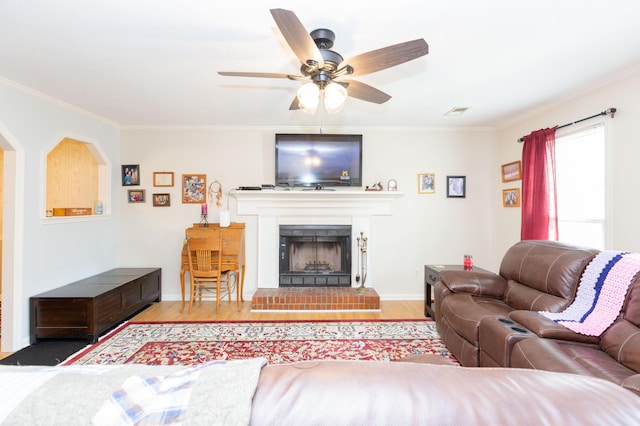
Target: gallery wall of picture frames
x=193, y=186
x=511, y=172
x=456, y=186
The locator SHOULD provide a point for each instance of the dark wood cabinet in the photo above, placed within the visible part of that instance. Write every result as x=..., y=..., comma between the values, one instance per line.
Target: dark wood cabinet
x=91, y=306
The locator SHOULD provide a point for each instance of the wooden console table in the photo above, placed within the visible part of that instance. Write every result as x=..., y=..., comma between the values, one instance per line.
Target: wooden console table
x=232, y=256
x=89, y=307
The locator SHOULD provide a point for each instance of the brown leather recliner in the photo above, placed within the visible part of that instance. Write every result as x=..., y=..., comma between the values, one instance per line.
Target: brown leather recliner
x=534, y=276
x=615, y=355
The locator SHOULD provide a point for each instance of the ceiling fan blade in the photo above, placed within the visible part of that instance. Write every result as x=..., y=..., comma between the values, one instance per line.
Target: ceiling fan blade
x=363, y=91
x=387, y=57
x=295, y=104
x=254, y=74
x=297, y=37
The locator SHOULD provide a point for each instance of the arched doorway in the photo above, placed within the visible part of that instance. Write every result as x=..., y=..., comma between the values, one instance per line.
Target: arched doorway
x=11, y=220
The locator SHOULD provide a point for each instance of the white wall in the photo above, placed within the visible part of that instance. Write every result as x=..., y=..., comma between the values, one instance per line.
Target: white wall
x=625, y=149
x=423, y=229
x=45, y=255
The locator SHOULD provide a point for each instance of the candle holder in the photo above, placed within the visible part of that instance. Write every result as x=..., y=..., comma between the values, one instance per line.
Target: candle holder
x=204, y=209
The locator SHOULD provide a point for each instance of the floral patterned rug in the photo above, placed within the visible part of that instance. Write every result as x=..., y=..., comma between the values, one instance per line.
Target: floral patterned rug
x=188, y=343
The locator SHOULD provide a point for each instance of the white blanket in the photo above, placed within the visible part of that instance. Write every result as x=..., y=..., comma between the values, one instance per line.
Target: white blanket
x=219, y=393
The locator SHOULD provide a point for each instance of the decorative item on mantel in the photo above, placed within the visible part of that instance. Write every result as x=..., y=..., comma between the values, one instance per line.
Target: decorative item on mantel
x=375, y=187
x=361, y=242
x=215, y=191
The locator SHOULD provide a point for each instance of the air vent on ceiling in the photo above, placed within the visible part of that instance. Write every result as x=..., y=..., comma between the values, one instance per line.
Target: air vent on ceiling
x=456, y=111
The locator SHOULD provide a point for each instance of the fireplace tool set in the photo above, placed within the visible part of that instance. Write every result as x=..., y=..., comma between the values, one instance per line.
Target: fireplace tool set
x=361, y=242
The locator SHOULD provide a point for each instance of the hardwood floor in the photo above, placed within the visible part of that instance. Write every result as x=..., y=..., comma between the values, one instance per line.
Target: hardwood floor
x=205, y=311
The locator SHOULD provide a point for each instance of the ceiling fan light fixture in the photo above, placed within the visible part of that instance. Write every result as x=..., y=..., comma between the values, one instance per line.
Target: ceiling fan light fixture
x=320, y=66
x=334, y=98
x=308, y=96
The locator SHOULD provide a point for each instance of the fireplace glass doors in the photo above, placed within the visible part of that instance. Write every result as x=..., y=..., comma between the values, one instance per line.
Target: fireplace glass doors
x=315, y=255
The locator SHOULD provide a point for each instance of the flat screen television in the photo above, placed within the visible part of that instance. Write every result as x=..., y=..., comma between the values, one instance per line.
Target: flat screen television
x=318, y=160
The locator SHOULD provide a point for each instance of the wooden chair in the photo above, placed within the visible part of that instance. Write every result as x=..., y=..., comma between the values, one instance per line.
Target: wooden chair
x=233, y=257
x=204, y=249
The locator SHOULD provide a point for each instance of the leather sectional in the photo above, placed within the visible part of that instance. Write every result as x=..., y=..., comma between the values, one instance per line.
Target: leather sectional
x=492, y=320
x=322, y=392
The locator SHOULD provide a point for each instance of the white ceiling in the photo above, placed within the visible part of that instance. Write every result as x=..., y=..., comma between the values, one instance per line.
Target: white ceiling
x=155, y=62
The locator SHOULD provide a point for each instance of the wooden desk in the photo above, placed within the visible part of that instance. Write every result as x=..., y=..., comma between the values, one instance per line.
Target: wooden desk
x=232, y=256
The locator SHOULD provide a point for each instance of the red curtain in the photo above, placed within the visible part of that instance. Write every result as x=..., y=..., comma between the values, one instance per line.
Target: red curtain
x=539, y=206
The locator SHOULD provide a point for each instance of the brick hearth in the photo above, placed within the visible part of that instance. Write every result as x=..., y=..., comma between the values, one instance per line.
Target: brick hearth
x=314, y=299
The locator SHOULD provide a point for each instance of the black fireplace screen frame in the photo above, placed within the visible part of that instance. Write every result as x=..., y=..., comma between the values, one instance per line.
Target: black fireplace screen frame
x=296, y=234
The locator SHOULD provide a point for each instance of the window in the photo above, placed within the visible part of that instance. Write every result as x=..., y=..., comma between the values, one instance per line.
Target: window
x=580, y=174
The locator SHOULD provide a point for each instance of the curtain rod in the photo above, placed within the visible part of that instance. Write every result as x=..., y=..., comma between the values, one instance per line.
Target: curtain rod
x=610, y=111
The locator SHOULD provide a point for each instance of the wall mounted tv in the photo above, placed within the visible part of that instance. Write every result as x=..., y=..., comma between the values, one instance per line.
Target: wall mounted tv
x=318, y=160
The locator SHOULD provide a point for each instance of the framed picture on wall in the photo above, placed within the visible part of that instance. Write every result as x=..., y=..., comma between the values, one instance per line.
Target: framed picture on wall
x=161, y=200
x=456, y=186
x=511, y=171
x=426, y=183
x=130, y=174
x=162, y=178
x=511, y=197
x=136, y=196
x=194, y=189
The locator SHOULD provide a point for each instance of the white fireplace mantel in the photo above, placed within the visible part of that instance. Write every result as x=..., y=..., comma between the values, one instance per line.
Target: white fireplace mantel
x=298, y=207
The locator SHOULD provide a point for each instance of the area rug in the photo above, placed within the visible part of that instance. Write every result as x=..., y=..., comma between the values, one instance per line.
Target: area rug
x=188, y=343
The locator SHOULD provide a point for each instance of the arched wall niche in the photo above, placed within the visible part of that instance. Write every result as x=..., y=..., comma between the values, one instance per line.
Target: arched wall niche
x=77, y=178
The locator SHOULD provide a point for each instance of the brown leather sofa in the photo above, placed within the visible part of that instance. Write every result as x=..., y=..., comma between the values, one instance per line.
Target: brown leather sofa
x=517, y=336
x=614, y=356
x=410, y=393
x=309, y=393
x=474, y=306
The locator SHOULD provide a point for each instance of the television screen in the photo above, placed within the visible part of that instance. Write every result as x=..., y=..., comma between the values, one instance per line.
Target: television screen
x=318, y=160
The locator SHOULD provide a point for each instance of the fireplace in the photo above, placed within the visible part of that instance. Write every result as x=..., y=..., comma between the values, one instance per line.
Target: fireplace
x=273, y=209
x=315, y=256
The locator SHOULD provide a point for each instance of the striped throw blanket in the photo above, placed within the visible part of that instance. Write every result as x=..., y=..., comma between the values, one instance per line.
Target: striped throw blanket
x=601, y=293
x=156, y=400
x=214, y=393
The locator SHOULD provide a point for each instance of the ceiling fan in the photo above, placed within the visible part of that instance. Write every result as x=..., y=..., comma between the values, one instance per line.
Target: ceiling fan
x=325, y=70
